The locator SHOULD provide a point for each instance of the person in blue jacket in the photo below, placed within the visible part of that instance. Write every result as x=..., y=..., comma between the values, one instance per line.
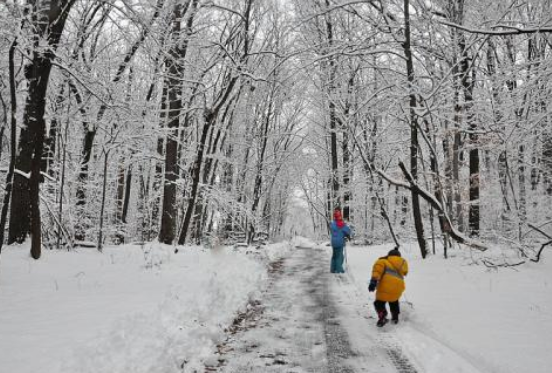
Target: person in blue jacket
x=339, y=232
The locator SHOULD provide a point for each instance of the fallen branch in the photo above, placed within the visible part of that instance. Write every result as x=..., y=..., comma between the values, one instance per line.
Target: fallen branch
x=537, y=258
x=490, y=264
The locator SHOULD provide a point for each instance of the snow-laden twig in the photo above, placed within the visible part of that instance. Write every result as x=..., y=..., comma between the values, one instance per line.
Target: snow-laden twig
x=26, y=175
x=58, y=222
x=335, y=7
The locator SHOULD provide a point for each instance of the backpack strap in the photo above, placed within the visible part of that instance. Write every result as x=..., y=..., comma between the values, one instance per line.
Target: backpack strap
x=392, y=270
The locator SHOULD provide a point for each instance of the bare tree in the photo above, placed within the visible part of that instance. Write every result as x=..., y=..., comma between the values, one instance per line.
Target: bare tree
x=48, y=22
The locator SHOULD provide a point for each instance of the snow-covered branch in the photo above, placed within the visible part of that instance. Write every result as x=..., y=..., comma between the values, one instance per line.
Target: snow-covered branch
x=511, y=30
x=449, y=228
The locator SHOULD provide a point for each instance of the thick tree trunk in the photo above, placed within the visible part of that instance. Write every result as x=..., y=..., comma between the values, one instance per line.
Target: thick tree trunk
x=20, y=217
x=414, y=146
x=25, y=205
x=175, y=69
x=467, y=84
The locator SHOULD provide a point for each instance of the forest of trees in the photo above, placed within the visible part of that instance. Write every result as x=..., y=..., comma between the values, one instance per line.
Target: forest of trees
x=183, y=120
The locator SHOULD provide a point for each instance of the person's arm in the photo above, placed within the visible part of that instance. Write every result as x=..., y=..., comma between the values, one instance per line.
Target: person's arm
x=378, y=269
x=377, y=272
x=347, y=232
x=404, y=267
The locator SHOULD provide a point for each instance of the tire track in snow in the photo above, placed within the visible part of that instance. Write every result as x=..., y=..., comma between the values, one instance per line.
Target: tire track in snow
x=337, y=341
x=394, y=351
x=300, y=327
x=288, y=336
x=385, y=340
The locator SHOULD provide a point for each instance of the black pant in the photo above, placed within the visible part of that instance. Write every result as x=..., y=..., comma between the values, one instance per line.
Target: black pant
x=393, y=307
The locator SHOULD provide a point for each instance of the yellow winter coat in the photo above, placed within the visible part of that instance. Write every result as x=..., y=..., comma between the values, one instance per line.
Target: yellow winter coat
x=389, y=271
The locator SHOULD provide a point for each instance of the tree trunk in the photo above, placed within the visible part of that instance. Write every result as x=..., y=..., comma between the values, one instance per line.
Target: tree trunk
x=50, y=142
x=209, y=118
x=175, y=68
x=467, y=84
x=257, y=186
x=99, y=245
x=522, y=188
x=25, y=205
x=119, y=224
x=414, y=146
x=346, y=153
x=502, y=156
x=13, y=141
x=335, y=198
x=126, y=198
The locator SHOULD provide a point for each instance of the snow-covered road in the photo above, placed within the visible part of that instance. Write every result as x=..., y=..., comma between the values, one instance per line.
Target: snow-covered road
x=309, y=320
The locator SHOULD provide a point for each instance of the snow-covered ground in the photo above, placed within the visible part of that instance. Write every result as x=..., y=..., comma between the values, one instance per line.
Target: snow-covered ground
x=468, y=316
x=147, y=309
x=128, y=309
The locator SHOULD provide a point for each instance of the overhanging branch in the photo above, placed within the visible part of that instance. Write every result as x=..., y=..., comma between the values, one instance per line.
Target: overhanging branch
x=449, y=228
x=510, y=30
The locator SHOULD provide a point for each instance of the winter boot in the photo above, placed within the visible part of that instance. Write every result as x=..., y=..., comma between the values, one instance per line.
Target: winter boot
x=394, y=318
x=382, y=319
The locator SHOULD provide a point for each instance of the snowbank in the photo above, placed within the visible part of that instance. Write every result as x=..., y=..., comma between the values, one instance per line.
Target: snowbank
x=128, y=309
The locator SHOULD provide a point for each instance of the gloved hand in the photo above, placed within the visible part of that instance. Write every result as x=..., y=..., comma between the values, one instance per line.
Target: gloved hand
x=372, y=285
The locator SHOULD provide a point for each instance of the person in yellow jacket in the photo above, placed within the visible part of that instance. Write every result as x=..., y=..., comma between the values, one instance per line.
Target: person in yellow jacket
x=388, y=280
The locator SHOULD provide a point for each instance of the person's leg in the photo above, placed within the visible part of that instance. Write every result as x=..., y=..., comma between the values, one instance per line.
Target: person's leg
x=333, y=263
x=395, y=311
x=339, y=260
x=379, y=305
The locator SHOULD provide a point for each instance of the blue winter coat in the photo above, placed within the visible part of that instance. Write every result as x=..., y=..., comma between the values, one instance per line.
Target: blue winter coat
x=339, y=234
